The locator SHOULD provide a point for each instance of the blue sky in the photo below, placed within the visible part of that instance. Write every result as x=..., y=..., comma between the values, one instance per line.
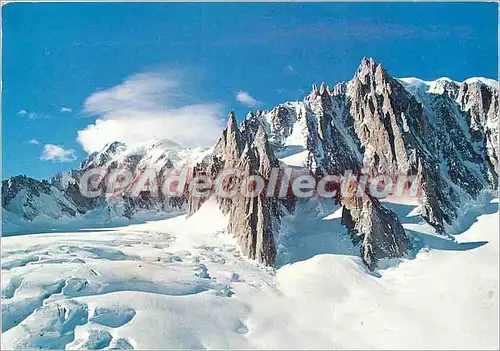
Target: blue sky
x=174, y=70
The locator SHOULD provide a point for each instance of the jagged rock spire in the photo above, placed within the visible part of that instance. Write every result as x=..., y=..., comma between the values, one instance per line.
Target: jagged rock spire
x=253, y=220
x=234, y=142
x=267, y=159
x=339, y=88
x=323, y=88
x=231, y=121
x=260, y=136
x=377, y=228
x=370, y=71
x=367, y=64
x=315, y=89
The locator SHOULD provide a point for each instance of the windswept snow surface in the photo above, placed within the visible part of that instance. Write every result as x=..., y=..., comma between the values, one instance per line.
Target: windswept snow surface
x=181, y=283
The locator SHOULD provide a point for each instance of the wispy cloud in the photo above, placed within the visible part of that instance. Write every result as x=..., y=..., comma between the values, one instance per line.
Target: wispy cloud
x=292, y=35
x=290, y=69
x=146, y=106
x=246, y=99
x=57, y=153
x=30, y=115
x=34, y=142
x=66, y=109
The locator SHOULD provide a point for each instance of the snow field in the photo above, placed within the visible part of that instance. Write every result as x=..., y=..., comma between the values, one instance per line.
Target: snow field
x=182, y=283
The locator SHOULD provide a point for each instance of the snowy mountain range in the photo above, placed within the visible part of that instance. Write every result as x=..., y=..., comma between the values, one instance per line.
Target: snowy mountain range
x=443, y=131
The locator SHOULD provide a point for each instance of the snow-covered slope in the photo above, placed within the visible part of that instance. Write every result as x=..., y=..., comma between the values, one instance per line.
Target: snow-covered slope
x=182, y=283
x=28, y=202
x=477, y=98
x=157, y=154
x=438, y=86
x=28, y=198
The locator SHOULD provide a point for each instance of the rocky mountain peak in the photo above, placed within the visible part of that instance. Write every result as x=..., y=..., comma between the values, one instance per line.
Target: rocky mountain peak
x=339, y=89
x=232, y=125
x=445, y=85
x=266, y=156
x=377, y=228
x=260, y=137
x=232, y=143
x=27, y=198
x=253, y=220
x=314, y=91
x=370, y=72
x=479, y=99
x=98, y=159
x=324, y=89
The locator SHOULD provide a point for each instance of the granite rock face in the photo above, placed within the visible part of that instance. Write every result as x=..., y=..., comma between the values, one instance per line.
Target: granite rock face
x=479, y=100
x=377, y=228
x=254, y=220
x=428, y=132
x=443, y=133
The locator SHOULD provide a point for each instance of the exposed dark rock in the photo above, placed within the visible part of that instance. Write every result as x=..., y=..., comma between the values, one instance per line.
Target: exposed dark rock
x=399, y=135
x=376, y=227
x=254, y=220
x=480, y=102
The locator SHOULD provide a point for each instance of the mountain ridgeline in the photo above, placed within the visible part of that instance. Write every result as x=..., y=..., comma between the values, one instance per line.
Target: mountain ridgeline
x=443, y=132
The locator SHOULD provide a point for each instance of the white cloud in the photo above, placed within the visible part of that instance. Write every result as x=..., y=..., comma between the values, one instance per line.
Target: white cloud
x=246, y=99
x=66, y=109
x=34, y=142
x=30, y=115
x=57, y=153
x=147, y=106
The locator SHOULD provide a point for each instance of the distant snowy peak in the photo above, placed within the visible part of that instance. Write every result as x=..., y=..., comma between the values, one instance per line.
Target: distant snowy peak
x=417, y=86
x=157, y=154
x=477, y=99
x=413, y=81
x=100, y=158
x=30, y=199
x=481, y=80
